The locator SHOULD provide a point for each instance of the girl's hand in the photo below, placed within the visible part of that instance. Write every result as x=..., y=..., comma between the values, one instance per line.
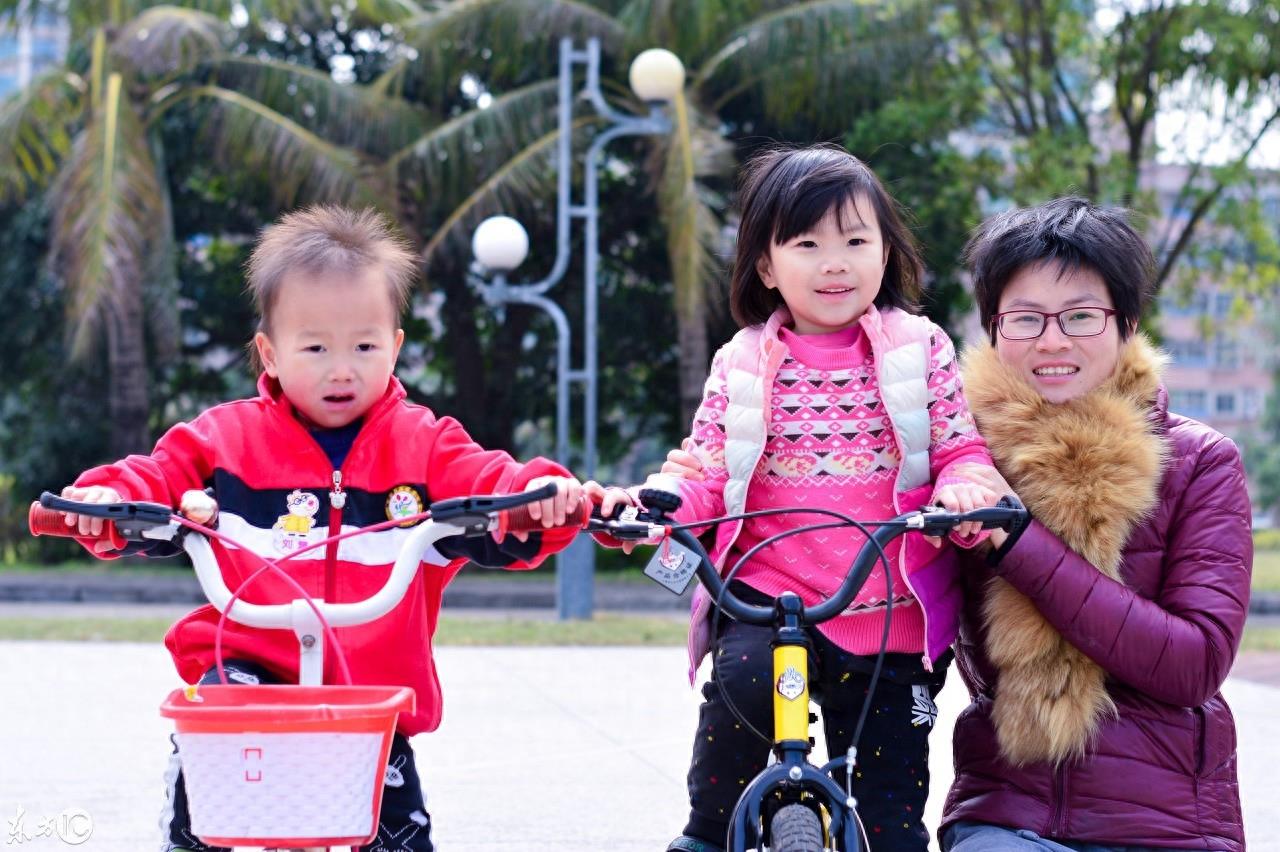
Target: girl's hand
x=609, y=498
x=683, y=463
x=988, y=477
x=88, y=526
x=962, y=497
x=552, y=511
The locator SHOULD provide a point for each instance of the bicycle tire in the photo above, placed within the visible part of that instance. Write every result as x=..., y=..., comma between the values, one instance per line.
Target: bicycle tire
x=795, y=828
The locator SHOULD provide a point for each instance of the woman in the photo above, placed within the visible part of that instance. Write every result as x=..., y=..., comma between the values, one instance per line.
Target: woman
x=1094, y=646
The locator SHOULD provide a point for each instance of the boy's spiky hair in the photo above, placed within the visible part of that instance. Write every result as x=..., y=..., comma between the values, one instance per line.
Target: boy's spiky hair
x=326, y=239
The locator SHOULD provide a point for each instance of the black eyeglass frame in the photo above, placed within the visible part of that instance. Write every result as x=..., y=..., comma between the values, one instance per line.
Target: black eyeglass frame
x=1107, y=313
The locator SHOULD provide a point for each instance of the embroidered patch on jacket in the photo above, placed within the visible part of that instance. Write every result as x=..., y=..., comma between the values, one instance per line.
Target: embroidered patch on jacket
x=290, y=531
x=403, y=502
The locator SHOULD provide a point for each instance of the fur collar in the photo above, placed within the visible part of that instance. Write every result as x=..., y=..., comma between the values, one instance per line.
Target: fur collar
x=1089, y=470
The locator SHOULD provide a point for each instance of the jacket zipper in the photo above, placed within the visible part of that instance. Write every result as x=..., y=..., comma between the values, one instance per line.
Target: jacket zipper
x=1057, y=824
x=337, y=499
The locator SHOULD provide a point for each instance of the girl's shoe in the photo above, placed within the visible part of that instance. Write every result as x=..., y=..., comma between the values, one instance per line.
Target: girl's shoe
x=684, y=843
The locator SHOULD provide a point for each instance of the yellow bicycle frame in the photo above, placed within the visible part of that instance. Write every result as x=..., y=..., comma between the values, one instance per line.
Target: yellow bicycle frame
x=790, y=693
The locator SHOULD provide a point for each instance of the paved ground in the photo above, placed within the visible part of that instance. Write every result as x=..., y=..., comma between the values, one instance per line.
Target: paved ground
x=541, y=749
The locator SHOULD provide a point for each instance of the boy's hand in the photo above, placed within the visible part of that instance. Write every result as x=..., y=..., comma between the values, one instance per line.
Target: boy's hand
x=683, y=463
x=88, y=526
x=553, y=510
x=610, y=498
x=962, y=497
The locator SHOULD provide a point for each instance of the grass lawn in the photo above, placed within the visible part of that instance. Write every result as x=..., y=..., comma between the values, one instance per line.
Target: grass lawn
x=1261, y=639
x=1266, y=571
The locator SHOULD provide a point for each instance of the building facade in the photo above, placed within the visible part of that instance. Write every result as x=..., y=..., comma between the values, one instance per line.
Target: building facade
x=28, y=49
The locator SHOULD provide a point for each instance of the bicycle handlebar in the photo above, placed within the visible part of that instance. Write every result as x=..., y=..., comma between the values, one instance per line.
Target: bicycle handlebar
x=1008, y=514
x=140, y=521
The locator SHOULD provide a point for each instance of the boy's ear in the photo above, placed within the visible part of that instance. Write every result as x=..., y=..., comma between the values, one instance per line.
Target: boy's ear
x=395, y=350
x=765, y=270
x=266, y=353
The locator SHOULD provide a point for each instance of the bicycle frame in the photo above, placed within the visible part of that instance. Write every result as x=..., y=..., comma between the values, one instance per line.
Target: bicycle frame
x=792, y=776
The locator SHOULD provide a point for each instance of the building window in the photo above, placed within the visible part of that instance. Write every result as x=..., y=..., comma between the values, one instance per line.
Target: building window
x=1226, y=353
x=1189, y=353
x=1250, y=403
x=1189, y=402
x=1222, y=303
x=1225, y=403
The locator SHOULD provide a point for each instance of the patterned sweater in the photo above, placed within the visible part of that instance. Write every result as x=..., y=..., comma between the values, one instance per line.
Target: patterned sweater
x=829, y=444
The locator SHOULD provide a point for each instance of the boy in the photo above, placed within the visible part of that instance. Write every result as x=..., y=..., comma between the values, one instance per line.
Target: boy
x=330, y=442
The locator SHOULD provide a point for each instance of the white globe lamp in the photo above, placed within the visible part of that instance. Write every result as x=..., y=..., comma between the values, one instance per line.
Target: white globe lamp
x=657, y=75
x=500, y=244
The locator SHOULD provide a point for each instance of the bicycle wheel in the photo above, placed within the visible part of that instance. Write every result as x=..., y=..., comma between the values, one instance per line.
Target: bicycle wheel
x=795, y=828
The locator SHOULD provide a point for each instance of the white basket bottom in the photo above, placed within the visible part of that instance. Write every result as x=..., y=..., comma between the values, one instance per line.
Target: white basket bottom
x=281, y=785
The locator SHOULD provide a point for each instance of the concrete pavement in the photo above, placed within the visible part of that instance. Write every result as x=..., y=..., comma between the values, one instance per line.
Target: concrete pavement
x=541, y=749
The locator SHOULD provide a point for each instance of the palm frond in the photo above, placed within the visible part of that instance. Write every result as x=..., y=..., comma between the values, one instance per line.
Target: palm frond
x=694, y=149
x=166, y=41
x=449, y=160
x=107, y=200
x=248, y=136
x=528, y=175
x=387, y=11
x=348, y=115
x=691, y=30
x=516, y=40
x=35, y=130
x=814, y=58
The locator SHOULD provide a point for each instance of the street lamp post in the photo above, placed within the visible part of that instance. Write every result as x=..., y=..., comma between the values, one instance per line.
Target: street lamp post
x=500, y=245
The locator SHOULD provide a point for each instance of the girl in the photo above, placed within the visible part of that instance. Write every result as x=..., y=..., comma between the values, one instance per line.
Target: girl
x=834, y=394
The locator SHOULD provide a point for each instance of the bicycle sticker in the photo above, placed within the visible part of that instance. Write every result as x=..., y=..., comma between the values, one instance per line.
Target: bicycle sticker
x=791, y=684
x=672, y=566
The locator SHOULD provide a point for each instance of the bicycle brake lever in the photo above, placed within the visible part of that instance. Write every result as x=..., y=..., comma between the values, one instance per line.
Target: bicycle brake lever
x=475, y=513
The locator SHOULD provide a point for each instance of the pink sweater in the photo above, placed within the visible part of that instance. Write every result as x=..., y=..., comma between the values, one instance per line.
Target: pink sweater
x=829, y=444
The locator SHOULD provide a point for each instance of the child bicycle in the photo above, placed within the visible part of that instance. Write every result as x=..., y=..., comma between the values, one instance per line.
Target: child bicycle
x=289, y=767
x=792, y=805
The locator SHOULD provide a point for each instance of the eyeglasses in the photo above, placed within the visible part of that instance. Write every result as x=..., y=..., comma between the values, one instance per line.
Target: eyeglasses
x=1074, y=322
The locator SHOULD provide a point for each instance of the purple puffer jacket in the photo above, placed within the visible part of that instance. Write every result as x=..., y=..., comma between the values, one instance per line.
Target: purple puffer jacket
x=1164, y=772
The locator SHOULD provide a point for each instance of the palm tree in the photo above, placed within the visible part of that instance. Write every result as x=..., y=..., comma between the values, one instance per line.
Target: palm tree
x=817, y=59
x=88, y=134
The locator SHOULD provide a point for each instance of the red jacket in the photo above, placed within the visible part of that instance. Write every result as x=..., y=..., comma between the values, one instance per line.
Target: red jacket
x=255, y=454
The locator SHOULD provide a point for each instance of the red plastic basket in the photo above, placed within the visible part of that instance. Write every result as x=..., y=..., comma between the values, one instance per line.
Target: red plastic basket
x=285, y=765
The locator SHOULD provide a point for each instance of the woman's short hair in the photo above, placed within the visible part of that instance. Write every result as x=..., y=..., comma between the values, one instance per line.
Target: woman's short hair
x=1072, y=234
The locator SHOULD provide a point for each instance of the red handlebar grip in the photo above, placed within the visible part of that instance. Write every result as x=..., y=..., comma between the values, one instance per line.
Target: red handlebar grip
x=42, y=521
x=518, y=520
